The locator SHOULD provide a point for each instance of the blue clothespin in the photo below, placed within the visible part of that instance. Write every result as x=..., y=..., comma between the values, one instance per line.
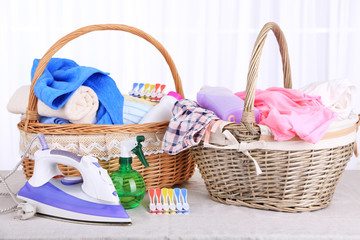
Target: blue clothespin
x=132, y=92
x=138, y=91
x=178, y=203
x=185, y=204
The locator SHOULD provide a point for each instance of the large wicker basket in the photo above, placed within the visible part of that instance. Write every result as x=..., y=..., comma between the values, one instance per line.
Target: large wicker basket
x=296, y=176
x=165, y=170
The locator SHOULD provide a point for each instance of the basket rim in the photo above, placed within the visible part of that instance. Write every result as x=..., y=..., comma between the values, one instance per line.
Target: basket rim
x=91, y=129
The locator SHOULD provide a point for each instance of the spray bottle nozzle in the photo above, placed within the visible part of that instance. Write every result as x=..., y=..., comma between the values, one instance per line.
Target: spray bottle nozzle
x=138, y=150
x=133, y=144
x=140, y=139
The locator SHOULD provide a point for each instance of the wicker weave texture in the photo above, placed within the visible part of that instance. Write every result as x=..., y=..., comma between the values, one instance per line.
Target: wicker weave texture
x=164, y=171
x=292, y=181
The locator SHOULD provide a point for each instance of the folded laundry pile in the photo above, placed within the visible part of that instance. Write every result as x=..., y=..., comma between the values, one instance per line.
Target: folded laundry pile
x=69, y=93
x=285, y=112
x=62, y=77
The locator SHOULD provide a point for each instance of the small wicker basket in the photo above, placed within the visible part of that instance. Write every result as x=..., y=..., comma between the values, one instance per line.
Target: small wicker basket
x=165, y=170
x=292, y=180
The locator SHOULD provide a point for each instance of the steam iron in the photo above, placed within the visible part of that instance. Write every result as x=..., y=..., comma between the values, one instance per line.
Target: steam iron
x=90, y=199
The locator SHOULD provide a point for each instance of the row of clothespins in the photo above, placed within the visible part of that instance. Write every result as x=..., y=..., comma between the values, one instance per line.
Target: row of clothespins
x=168, y=200
x=151, y=92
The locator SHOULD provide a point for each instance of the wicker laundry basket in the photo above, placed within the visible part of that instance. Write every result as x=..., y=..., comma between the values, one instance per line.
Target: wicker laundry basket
x=102, y=141
x=296, y=176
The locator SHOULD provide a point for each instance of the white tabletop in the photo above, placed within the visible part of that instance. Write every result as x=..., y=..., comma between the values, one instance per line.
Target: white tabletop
x=207, y=219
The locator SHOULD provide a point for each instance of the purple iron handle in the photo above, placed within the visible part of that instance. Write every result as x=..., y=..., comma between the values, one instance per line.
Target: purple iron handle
x=43, y=141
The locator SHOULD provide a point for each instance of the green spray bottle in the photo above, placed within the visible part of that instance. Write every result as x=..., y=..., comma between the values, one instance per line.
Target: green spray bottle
x=128, y=183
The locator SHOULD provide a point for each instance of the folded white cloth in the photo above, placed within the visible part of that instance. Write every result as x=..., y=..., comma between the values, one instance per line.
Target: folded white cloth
x=337, y=95
x=80, y=108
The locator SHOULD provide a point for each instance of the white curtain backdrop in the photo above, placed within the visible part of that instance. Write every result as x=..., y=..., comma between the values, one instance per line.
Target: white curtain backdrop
x=209, y=41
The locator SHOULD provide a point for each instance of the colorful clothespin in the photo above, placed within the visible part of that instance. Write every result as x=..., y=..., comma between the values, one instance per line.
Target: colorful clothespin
x=144, y=90
x=185, y=204
x=172, y=205
x=149, y=92
x=152, y=205
x=132, y=92
x=178, y=203
x=159, y=206
x=138, y=90
x=160, y=94
x=154, y=93
x=164, y=195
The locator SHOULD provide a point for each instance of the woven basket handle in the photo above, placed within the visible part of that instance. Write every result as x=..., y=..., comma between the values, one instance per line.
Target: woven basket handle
x=31, y=113
x=248, y=117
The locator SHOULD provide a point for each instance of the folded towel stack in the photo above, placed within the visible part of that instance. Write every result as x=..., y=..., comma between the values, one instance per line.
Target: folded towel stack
x=80, y=108
x=69, y=93
x=61, y=79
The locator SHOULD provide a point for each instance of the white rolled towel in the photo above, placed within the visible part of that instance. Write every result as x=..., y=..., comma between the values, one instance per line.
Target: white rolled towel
x=80, y=108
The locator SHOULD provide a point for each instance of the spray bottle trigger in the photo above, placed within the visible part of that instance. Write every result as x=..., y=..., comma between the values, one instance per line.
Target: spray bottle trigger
x=138, y=150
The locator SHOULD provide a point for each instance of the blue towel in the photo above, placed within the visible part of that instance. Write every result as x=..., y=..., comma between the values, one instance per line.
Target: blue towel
x=53, y=120
x=62, y=77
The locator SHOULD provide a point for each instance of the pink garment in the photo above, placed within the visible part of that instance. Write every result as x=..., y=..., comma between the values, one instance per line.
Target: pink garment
x=290, y=112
